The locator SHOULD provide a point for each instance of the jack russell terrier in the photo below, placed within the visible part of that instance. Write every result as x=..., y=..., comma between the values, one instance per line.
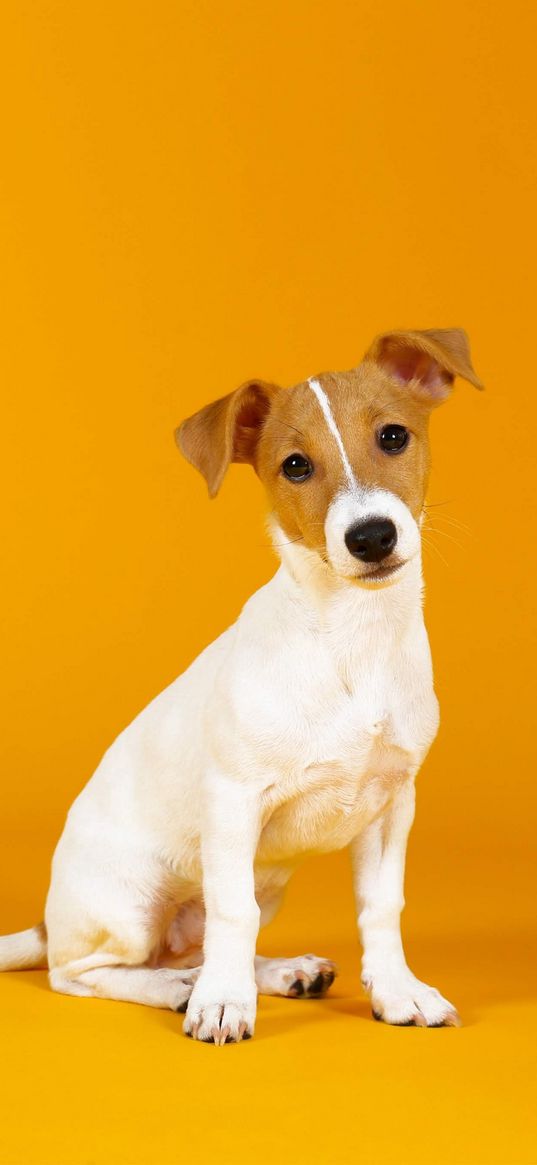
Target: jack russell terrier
x=300, y=730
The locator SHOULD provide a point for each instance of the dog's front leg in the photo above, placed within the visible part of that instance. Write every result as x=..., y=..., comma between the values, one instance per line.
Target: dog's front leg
x=379, y=864
x=222, y=1006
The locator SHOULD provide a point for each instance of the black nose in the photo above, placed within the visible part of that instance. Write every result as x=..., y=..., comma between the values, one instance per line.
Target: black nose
x=371, y=541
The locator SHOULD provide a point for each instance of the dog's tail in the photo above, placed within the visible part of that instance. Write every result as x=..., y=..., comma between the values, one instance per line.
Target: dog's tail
x=25, y=950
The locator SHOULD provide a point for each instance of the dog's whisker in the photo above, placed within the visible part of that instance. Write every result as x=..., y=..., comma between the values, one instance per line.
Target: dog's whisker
x=446, y=517
x=429, y=545
x=289, y=542
x=445, y=534
x=279, y=421
x=453, y=522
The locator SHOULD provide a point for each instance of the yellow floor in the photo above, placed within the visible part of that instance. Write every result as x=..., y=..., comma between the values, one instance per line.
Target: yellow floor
x=89, y=1082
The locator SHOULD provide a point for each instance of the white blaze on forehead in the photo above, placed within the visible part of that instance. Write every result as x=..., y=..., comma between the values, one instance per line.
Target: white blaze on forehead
x=329, y=418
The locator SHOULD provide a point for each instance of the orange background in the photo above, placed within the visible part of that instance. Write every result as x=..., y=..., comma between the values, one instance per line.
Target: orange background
x=194, y=193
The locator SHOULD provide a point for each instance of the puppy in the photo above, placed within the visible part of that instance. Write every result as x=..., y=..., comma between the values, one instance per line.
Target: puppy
x=299, y=731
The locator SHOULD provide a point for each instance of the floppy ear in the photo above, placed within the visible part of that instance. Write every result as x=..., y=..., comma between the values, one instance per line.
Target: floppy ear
x=427, y=361
x=226, y=430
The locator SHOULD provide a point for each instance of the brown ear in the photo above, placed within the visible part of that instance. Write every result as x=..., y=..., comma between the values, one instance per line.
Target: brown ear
x=226, y=430
x=429, y=361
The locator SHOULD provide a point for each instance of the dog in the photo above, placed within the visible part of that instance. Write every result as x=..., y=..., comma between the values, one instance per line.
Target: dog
x=299, y=731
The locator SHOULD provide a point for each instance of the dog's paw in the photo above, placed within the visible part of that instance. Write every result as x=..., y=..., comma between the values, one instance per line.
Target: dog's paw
x=403, y=1000
x=305, y=977
x=171, y=987
x=220, y=1016
x=183, y=988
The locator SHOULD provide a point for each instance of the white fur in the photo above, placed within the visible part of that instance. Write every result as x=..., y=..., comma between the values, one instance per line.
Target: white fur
x=298, y=731
x=330, y=420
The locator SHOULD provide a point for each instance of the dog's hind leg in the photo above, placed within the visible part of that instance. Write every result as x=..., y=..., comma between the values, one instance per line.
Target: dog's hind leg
x=106, y=928
x=152, y=986
x=306, y=976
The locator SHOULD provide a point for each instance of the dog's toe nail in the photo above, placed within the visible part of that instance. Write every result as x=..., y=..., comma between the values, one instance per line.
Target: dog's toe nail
x=182, y=1007
x=452, y=1019
x=317, y=986
x=297, y=987
x=247, y=1035
x=448, y=1021
x=376, y=1015
x=329, y=979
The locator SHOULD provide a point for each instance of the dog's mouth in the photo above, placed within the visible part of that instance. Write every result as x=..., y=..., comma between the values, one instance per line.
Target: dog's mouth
x=382, y=573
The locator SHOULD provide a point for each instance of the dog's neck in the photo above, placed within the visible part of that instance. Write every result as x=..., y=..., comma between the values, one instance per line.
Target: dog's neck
x=339, y=604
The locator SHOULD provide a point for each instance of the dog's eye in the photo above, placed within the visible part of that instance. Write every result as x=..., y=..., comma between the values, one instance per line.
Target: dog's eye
x=393, y=438
x=297, y=468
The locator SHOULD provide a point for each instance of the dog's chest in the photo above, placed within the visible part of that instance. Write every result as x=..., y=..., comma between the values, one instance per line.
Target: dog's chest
x=345, y=766
x=333, y=715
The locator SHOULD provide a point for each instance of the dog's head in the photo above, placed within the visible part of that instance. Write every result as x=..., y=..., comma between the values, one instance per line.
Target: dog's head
x=344, y=456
